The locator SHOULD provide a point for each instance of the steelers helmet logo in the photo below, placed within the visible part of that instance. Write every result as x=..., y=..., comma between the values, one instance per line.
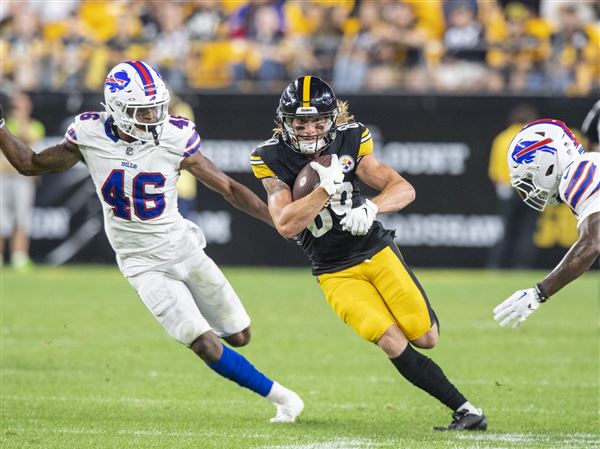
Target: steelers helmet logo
x=347, y=163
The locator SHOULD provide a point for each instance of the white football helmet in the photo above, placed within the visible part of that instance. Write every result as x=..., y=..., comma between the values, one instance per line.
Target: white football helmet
x=537, y=157
x=137, y=99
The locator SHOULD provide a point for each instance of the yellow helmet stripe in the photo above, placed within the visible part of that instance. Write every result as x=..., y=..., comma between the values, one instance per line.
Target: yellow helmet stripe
x=306, y=92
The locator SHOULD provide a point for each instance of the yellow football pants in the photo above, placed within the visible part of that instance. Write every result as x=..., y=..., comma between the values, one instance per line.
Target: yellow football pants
x=378, y=293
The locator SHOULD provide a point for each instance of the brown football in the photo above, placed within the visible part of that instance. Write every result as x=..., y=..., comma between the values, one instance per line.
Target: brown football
x=308, y=179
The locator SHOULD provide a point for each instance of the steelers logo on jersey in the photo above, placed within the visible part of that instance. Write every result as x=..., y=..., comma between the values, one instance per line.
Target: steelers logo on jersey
x=347, y=163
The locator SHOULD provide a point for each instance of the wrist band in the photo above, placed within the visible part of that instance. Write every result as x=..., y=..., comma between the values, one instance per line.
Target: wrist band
x=2, y=123
x=542, y=296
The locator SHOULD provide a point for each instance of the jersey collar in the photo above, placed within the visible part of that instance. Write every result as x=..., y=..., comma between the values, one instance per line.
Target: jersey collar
x=109, y=131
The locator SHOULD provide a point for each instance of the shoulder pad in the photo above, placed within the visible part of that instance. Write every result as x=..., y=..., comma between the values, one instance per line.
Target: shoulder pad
x=257, y=159
x=581, y=180
x=267, y=143
x=180, y=135
x=178, y=126
x=85, y=124
x=365, y=142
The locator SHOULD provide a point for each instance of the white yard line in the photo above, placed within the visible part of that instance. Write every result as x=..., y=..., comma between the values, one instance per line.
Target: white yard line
x=466, y=440
x=519, y=440
x=333, y=444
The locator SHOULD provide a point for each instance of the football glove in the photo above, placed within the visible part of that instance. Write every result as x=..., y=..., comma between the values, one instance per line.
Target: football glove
x=332, y=177
x=518, y=307
x=360, y=219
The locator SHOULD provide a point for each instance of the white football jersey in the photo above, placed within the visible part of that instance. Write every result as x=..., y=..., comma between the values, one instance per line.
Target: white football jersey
x=580, y=185
x=135, y=183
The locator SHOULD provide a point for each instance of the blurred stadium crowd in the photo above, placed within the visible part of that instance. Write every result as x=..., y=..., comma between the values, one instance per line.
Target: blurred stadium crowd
x=457, y=46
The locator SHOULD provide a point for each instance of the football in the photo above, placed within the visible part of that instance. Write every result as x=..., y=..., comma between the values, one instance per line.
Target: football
x=308, y=179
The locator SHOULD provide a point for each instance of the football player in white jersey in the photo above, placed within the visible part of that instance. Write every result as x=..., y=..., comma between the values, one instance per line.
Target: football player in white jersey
x=134, y=152
x=547, y=164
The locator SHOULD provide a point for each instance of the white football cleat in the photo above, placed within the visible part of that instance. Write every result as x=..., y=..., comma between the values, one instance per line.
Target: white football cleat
x=289, y=405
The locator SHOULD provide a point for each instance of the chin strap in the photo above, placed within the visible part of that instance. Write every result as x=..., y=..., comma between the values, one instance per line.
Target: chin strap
x=155, y=136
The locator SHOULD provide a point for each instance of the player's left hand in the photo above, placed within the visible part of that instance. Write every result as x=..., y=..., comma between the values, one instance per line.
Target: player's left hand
x=360, y=219
x=517, y=308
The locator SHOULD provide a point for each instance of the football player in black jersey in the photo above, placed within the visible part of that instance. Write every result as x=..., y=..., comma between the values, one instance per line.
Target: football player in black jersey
x=591, y=128
x=357, y=264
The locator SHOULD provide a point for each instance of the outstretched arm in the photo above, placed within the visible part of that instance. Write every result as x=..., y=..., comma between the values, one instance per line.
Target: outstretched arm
x=577, y=261
x=235, y=193
x=51, y=160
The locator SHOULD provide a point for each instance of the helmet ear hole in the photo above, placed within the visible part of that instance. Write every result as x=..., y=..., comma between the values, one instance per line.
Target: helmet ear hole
x=550, y=170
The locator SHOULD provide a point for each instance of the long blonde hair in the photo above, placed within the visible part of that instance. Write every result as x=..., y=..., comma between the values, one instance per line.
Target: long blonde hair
x=343, y=117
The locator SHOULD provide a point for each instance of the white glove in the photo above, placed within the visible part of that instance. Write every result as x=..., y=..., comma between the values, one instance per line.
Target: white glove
x=360, y=219
x=332, y=177
x=518, y=307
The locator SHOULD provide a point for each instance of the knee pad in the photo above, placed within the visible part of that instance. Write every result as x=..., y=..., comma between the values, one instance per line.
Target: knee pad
x=186, y=331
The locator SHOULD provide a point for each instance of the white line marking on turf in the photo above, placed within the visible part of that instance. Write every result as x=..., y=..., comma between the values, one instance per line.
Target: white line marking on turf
x=567, y=440
x=333, y=444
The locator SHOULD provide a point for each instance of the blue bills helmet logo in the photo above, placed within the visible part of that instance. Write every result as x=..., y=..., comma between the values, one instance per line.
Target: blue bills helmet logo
x=524, y=152
x=117, y=81
x=347, y=163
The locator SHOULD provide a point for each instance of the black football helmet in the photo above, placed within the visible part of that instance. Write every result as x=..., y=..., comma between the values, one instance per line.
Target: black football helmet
x=308, y=97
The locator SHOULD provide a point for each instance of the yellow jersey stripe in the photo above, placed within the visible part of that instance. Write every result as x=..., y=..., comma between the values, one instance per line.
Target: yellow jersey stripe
x=306, y=92
x=255, y=158
x=262, y=171
x=365, y=132
x=366, y=147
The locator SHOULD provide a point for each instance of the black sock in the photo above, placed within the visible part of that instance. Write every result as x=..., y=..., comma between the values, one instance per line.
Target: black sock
x=424, y=373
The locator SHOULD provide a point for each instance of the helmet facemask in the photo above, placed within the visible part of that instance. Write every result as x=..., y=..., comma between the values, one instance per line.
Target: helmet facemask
x=536, y=181
x=141, y=121
x=296, y=136
x=532, y=194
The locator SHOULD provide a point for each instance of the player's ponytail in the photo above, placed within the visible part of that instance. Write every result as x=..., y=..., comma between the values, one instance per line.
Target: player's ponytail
x=344, y=115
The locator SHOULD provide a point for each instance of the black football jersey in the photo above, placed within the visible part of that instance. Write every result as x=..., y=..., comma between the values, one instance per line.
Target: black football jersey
x=328, y=247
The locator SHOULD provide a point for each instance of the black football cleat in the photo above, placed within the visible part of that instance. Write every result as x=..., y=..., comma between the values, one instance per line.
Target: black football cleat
x=463, y=420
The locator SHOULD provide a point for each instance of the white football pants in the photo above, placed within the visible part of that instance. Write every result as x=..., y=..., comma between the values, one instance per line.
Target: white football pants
x=190, y=298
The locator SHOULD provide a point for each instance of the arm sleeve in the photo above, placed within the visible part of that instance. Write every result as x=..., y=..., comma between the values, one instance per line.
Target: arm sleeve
x=192, y=144
x=582, y=187
x=71, y=134
x=259, y=167
x=366, y=143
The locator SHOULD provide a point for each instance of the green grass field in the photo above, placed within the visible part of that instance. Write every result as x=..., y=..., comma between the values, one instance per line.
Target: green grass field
x=84, y=365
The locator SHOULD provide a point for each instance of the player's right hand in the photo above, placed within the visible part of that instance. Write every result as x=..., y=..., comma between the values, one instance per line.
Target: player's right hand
x=517, y=307
x=332, y=177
